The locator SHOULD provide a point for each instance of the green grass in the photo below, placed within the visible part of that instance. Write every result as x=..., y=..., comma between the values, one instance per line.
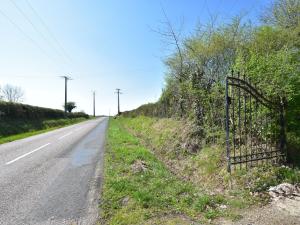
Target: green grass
x=178, y=186
x=153, y=195
x=207, y=166
x=30, y=128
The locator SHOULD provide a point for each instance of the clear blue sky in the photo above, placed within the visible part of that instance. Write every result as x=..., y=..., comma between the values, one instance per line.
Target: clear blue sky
x=101, y=44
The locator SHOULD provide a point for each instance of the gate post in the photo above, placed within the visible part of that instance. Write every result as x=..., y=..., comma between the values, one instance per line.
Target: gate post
x=227, y=126
x=282, y=127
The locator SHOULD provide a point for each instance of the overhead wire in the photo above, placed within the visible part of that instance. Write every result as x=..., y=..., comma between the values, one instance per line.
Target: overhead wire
x=32, y=40
x=35, y=27
x=63, y=50
x=25, y=34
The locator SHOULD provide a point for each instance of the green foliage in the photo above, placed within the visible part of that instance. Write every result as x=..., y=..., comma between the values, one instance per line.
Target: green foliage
x=11, y=110
x=11, y=130
x=205, y=168
x=70, y=106
x=265, y=176
x=18, y=118
x=194, y=186
x=270, y=61
x=198, y=91
x=140, y=196
x=275, y=175
x=267, y=54
x=283, y=13
x=208, y=201
x=14, y=111
x=77, y=115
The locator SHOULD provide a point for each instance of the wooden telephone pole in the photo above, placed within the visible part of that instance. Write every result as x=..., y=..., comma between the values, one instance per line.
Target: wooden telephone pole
x=94, y=107
x=118, y=93
x=66, y=90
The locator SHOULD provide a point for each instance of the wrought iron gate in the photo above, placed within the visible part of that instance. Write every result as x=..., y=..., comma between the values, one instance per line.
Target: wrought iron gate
x=255, y=126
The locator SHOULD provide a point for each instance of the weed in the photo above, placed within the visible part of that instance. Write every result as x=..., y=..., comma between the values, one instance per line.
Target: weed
x=174, y=181
x=130, y=197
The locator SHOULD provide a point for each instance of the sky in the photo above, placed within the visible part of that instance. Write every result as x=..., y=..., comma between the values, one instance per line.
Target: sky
x=101, y=44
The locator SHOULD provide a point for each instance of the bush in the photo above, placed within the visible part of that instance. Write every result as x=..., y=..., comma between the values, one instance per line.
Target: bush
x=10, y=127
x=9, y=110
x=77, y=115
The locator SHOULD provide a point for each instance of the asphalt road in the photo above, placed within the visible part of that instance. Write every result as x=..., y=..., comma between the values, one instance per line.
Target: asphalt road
x=53, y=178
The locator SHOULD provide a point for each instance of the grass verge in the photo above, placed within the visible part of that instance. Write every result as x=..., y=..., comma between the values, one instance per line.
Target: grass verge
x=150, y=178
x=168, y=139
x=31, y=128
x=139, y=189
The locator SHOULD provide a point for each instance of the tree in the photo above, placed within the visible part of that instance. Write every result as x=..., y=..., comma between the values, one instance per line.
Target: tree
x=11, y=93
x=283, y=13
x=270, y=59
x=70, y=106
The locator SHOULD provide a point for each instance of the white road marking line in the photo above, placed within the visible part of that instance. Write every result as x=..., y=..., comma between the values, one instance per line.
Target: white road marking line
x=65, y=135
x=22, y=156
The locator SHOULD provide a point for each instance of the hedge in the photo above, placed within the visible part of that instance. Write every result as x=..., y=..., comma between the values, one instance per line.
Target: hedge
x=9, y=110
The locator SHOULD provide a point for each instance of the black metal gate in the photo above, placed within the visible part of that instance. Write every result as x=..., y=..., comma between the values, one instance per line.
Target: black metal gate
x=255, y=127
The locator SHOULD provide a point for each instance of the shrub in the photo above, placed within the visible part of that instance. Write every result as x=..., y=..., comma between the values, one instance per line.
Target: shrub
x=27, y=112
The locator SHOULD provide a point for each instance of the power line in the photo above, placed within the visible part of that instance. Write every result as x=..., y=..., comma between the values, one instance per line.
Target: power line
x=35, y=27
x=49, y=31
x=26, y=35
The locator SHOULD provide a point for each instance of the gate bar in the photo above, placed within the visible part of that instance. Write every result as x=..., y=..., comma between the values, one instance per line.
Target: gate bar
x=227, y=125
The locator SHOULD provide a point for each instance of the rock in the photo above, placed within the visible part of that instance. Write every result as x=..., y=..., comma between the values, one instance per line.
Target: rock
x=273, y=194
x=284, y=189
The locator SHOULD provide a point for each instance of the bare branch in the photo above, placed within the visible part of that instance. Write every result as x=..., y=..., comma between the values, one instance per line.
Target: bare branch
x=175, y=38
x=12, y=93
x=172, y=37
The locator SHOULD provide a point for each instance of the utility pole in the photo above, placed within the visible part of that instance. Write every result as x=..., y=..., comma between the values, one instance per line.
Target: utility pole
x=118, y=93
x=66, y=90
x=94, y=110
